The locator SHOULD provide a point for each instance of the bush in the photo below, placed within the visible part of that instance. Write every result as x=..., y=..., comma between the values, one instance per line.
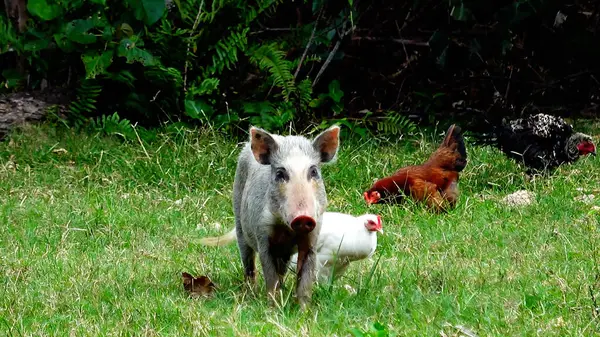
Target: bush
x=372, y=65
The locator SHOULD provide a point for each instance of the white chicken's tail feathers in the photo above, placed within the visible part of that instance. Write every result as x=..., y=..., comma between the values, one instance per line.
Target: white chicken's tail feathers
x=222, y=240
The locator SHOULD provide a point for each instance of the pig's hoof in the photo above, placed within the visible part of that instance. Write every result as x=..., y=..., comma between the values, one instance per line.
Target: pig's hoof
x=304, y=305
x=303, y=224
x=250, y=277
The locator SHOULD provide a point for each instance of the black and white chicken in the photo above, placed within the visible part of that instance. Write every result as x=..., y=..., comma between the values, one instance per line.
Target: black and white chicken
x=343, y=238
x=541, y=142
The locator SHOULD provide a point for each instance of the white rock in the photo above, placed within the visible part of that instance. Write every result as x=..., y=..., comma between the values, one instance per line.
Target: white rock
x=349, y=288
x=586, y=198
x=519, y=198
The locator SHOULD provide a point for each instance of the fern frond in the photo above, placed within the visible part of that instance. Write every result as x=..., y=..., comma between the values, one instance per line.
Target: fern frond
x=269, y=58
x=8, y=35
x=307, y=59
x=85, y=104
x=304, y=92
x=393, y=123
x=113, y=125
x=226, y=51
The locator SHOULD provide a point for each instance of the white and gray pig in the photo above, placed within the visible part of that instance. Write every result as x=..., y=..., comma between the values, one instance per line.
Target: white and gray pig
x=278, y=201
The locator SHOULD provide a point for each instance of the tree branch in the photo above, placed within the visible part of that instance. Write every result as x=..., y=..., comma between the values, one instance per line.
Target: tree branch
x=312, y=37
x=402, y=41
x=333, y=51
x=272, y=30
x=327, y=61
x=188, y=45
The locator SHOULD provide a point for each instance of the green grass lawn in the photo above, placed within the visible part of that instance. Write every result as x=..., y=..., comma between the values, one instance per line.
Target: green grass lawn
x=95, y=233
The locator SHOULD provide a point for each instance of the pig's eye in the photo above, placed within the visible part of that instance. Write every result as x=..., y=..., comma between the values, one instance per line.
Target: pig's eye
x=281, y=175
x=313, y=173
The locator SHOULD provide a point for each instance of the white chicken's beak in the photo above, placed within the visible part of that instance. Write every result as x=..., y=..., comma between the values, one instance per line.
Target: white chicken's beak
x=380, y=230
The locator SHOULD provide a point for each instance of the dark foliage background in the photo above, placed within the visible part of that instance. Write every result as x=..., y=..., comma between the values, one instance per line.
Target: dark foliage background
x=372, y=65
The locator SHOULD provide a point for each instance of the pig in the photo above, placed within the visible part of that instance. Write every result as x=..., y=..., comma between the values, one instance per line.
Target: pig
x=279, y=199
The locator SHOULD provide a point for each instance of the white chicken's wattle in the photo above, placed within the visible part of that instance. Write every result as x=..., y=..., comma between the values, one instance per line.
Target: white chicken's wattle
x=343, y=238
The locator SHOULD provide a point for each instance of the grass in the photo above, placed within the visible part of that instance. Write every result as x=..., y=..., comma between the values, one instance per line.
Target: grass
x=96, y=232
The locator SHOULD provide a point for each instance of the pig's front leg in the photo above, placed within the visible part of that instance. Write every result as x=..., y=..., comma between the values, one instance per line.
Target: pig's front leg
x=272, y=278
x=307, y=263
x=275, y=257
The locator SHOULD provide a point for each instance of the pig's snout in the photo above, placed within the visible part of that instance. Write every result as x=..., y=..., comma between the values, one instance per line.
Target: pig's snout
x=303, y=224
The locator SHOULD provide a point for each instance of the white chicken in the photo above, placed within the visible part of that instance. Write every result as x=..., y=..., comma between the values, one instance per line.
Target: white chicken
x=343, y=238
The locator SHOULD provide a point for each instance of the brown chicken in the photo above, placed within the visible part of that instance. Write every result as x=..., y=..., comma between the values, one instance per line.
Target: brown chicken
x=435, y=182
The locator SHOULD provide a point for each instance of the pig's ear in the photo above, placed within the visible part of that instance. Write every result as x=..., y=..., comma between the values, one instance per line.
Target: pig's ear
x=327, y=143
x=262, y=144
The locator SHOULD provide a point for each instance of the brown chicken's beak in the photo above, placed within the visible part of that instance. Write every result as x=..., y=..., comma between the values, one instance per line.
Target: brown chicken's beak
x=593, y=153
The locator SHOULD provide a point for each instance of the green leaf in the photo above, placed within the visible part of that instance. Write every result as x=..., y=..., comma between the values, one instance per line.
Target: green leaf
x=96, y=64
x=316, y=6
x=331, y=34
x=77, y=31
x=258, y=108
x=128, y=49
x=44, y=10
x=337, y=108
x=107, y=33
x=148, y=11
x=100, y=2
x=198, y=109
x=317, y=102
x=63, y=42
x=36, y=45
x=13, y=77
x=362, y=132
x=335, y=92
x=125, y=29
